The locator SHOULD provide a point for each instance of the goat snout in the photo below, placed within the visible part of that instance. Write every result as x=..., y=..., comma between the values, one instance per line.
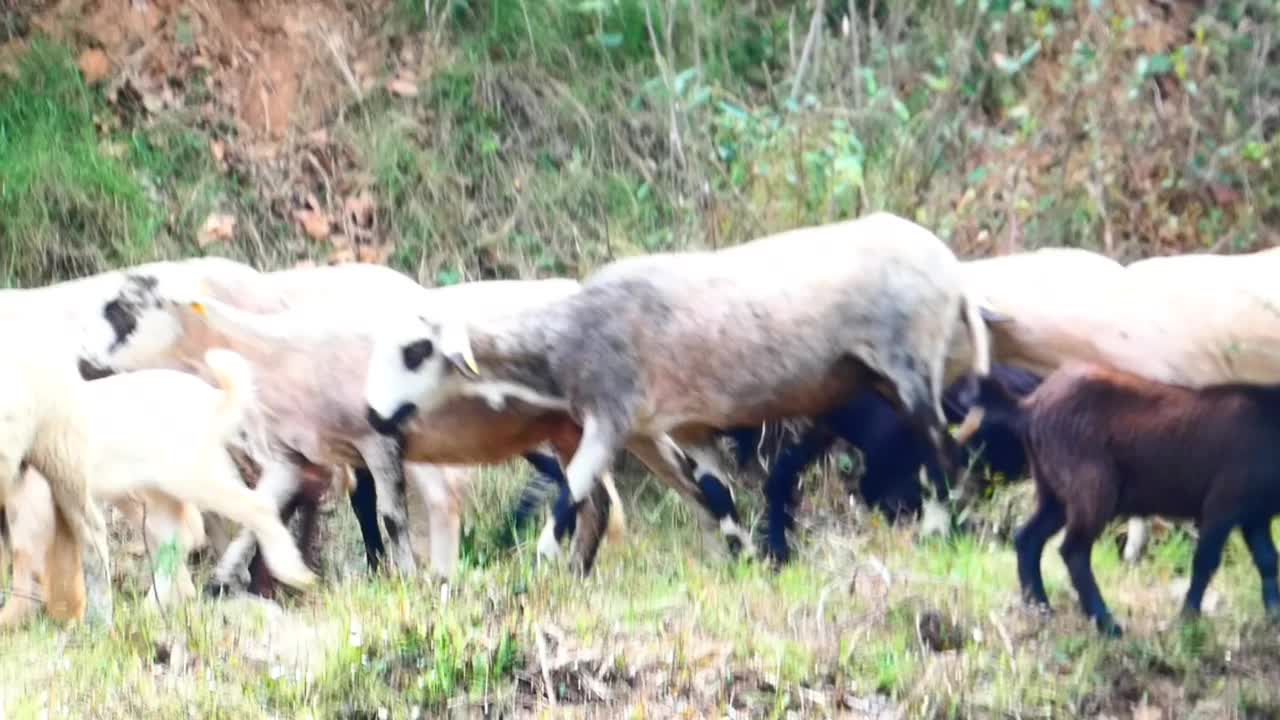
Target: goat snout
x=391, y=425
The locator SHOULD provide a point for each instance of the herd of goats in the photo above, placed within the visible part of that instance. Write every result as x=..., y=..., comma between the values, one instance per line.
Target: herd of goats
x=198, y=392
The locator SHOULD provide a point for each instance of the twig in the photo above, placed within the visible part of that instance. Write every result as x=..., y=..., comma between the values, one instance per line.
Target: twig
x=341, y=63
x=146, y=548
x=855, y=41
x=1004, y=634
x=806, y=55
x=677, y=145
x=542, y=663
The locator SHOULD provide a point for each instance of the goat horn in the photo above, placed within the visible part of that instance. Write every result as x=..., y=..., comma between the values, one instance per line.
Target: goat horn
x=972, y=421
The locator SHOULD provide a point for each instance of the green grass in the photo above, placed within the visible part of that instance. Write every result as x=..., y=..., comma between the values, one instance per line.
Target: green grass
x=67, y=207
x=665, y=622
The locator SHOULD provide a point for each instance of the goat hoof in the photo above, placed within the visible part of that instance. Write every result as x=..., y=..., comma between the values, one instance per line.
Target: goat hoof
x=1109, y=628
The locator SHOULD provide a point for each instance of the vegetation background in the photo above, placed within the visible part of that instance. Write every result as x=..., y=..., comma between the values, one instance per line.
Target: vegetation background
x=463, y=139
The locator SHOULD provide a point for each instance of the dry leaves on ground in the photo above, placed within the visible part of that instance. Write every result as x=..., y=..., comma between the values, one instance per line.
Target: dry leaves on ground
x=218, y=227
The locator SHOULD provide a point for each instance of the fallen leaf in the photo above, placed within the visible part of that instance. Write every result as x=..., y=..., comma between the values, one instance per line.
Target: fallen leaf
x=95, y=65
x=400, y=86
x=376, y=254
x=217, y=228
x=219, y=150
x=314, y=223
x=341, y=255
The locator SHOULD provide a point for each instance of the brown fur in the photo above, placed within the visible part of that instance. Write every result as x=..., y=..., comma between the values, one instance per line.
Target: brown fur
x=1103, y=443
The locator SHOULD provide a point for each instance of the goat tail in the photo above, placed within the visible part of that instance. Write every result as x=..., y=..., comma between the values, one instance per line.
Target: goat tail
x=980, y=339
x=617, y=517
x=234, y=377
x=979, y=335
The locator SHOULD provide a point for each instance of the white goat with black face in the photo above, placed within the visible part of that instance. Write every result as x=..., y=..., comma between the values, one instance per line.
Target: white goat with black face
x=676, y=346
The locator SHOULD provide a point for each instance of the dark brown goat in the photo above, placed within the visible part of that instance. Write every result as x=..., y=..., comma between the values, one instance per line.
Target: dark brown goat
x=1103, y=443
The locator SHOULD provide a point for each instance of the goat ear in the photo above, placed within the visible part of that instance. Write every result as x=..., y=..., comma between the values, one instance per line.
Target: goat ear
x=456, y=348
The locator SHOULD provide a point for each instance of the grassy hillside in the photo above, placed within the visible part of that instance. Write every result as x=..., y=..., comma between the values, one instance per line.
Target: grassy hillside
x=516, y=138
x=460, y=139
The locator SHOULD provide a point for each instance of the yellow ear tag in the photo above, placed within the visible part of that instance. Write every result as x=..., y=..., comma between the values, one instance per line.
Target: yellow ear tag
x=471, y=364
x=198, y=308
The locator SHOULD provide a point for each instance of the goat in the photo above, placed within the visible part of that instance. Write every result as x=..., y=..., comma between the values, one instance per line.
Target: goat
x=1105, y=442
x=894, y=455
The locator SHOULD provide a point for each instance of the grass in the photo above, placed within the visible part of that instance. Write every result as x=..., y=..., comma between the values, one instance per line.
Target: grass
x=868, y=616
x=67, y=208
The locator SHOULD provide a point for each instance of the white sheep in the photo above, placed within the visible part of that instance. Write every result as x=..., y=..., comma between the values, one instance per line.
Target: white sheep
x=311, y=360
x=1044, y=306
x=674, y=346
x=135, y=343
x=167, y=431
x=39, y=424
x=44, y=569
x=44, y=561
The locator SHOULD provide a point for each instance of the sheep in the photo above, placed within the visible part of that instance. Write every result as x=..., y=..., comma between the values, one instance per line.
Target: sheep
x=45, y=566
x=41, y=549
x=894, y=455
x=136, y=345
x=39, y=405
x=1192, y=320
x=1203, y=319
x=307, y=356
x=667, y=349
x=1055, y=305
x=1044, y=307
x=1103, y=442
x=166, y=431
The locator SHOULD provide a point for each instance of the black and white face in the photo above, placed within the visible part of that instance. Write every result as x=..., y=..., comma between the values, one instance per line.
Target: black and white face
x=409, y=365
x=136, y=327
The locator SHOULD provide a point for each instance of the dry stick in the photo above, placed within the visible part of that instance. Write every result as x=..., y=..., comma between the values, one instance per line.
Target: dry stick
x=855, y=41
x=806, y=55
x=677, y=145
x=1095, y=187
x=542, y=663
x=151, y=563
x=341, y=63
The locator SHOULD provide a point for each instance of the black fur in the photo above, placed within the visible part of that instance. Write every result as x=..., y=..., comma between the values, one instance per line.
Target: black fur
x=893, y=452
